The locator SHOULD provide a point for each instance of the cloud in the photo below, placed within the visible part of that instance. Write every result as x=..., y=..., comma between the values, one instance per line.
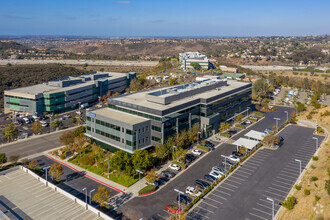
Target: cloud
x=70, y=18
x=157, y=21
x=16, y=17
x=124, y=2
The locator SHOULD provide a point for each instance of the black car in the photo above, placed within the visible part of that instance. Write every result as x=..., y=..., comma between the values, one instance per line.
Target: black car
x=190, y=156
x=183, y=199
x=209, y=143
x=236, y=153
x=202, y=184
x=227, y=162
x=167, y=174
x=210, y=178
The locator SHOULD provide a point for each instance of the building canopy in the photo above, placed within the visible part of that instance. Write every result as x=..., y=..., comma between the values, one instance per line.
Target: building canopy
x=247, y=143
x=255, y=135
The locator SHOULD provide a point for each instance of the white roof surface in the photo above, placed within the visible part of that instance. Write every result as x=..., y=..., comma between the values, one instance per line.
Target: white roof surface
x=255, y=135
x=247, y=143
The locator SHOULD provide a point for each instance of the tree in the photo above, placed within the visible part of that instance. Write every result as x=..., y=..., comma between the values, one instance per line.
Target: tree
x=3, y=158
x=300, y=107
x=239, y=118
x=101, y=196
x=55, y=123
x=141, y=159
x=152, y=176
x=80, y=130
x=224, y=126
x=261, y=88
x=14, y=158
x=67, y=138
x=270, y=139
x=33, y=165
x=195, y=65
x=180, y=154
x=37, y=127
x=162, y=151
x=10, y=131
x=173, y=81
x=25, y=161
x=55, y=171
x=293, y=114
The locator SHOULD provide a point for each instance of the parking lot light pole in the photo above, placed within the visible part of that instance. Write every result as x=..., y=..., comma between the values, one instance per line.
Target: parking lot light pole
x=45, y=169
x=272, y=200
x=90, y=196
x=317, y=143
x=108, y=166
x=287, y=115
x=173, y=151
x=277, y=119
x=180, y=192
x=248, y=111
x=225, y=164
x=199, y=134
x=315, y=119
x=299, y=161
x=85, y=189
x=140, y=172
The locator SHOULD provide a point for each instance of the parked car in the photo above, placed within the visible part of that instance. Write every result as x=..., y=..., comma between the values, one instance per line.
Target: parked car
x=234, y=158
x=167, y=174
x=197, y=152
x=227, y=163
x=174, y=167
x=155, y=183
x=66, y=116
x=183, y=199
x=202, y=184
x=210, y=178
x=215, y=174
x=207, y=142
x=218, y=169
x=190, y=156
x=237, y=154
x=192, y=191
x=209, y=146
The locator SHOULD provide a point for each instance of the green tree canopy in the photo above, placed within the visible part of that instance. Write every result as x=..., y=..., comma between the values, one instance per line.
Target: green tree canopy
x=37, y=127
x=195, y=65
x=101, y=196
x=10, y=131
x=55, y=171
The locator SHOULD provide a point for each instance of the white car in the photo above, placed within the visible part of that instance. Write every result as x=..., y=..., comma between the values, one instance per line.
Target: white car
x=197, y=152
x=78, y=112
x=66, y=116
x=215, y=174
x=234, y=158
x=192, y=191
x=99, y=106
x=174, y=167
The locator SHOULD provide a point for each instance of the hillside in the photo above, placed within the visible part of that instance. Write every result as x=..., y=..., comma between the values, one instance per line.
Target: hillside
x=25, y=75
x=11, y=45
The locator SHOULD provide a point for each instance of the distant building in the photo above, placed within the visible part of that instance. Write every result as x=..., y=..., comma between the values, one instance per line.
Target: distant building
x=65, y=94
x=229, y=69
x=193, y=57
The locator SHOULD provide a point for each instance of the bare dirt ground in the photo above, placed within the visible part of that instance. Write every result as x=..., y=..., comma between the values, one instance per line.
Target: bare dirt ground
x=316, y=76
x=307, y=207
x=120, y=69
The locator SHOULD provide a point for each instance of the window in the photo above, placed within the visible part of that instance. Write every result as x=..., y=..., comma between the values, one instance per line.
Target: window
x=139, y=131
x=92, y=129
x=122, y=140
x=147, y=128
x=147, y=139
x=139, y=141
x=88, y=128
x=88, y=118
x=156, y=139
x=92, y=119
x=143, y=130
x=122, y=130
x=142, y=140
x=155, y=128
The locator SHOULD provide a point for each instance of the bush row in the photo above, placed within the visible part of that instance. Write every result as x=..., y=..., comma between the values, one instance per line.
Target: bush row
x=203, y=148
x=259, y=114
x=183, y=166
x=148, y=189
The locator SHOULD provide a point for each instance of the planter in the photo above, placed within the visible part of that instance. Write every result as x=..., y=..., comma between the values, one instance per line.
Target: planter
x=172, y=209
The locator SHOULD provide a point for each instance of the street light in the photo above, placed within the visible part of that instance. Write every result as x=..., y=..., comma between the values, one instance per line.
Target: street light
x=317, y=143
x=287, y=115
x=90, y=196
x=299, y=161
x=85, y=189
x=272, y=200
x=277, y=119
x=180, y=192
x=173, y=151
x=45, y=169
x=199, y=134
x=315, y=119
x=248, y=110
x=225, y=164
x=108, y=166
x=140, y=172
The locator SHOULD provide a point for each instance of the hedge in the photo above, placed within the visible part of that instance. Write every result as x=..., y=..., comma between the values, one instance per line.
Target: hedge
x=258, y=114
x=148, y=189
x=204, y=148
x=225, y=135
x=183, y=166
x=240, y=126
x=252, y=119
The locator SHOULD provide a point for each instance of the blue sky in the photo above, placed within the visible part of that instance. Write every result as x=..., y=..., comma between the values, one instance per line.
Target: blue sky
x=165, y=17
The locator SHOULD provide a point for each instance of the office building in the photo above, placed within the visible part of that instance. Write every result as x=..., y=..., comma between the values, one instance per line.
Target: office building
x=65, y=94
x=143, y=119
x=193, y=57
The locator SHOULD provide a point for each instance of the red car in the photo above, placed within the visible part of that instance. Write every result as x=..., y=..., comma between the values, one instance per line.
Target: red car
x=173, y=209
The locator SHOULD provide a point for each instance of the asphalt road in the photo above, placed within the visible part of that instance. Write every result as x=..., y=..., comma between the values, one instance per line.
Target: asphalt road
x=33, y=145
x=268, y=173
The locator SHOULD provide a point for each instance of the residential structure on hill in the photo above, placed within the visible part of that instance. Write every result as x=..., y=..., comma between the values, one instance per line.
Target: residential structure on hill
x=144, y=119
x=193, y=57
x=65, y=94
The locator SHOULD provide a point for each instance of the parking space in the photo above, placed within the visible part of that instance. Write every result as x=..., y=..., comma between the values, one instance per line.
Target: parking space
x=267, y=174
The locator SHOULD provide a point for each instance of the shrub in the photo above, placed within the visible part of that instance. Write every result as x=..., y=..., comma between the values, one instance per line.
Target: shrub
x=240, y=126
x=289, y=202
x=62, y=156
x=298, y=187
x=317, y=198
x=148, y=189
x=183, y=166
x=3, y=158
x=315, y=158
x=309, y=116
x=320, y=130
x=328, y=170
x=225, y=135
x=307, y=192
x=252, y=119
x=204, y=148
x=327, y=186
x=314, y=178
x=260, y=114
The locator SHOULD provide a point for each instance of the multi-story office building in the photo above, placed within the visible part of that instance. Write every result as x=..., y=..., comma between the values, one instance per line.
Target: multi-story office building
x=143, y=119
x=193, y=57
x=65, y=94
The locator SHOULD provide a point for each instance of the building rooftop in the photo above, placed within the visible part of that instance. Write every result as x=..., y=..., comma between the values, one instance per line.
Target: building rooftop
x=140, y=98
x=119, y=116
x=56, y=85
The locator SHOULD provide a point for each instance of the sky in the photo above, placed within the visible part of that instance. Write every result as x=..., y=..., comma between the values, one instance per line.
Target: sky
x=172, y=18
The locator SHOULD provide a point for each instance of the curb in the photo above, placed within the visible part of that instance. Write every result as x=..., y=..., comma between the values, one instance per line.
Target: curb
x=147, y=193
x=85, y=174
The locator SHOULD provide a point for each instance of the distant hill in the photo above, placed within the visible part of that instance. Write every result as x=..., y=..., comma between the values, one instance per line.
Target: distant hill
x=11, y=45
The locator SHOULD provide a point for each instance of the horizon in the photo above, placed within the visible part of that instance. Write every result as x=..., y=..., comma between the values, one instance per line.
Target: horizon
x=163, y=19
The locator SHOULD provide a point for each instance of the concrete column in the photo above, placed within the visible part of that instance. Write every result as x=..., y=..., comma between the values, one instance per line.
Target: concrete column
x=189, y=119
x=163, y=132
x=177, y=125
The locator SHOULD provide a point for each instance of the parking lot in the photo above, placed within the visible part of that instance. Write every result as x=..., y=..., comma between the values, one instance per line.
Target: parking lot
x=73, y=182
x=267, y=174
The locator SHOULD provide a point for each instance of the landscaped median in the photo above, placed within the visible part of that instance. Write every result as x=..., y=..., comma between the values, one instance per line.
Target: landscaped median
x=147, y=190
x=182, y=165
x=203, y=148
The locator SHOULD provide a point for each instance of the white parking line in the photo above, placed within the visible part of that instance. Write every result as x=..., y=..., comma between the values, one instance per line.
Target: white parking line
x=199, y=214
x=245, y=169
x=273, y=196
x=257, y=159
x=222, y=192
x=228, y=184
x=209, y=204
x=303, y=156
x=265, y=206
x=204, y=209
x=257, y=216
x=291, y=172
x=161, y=216
x=277, y=185
x=276, y=193
x=287, y=176
x=251, y=162
x=272, y=188
x=232, y=176
x=233, y=181
x=222, y=187
x=280, y=181
x=214, y=200
x=168, y=212
x=240, y=175
x=262, y=211
x=218, y=196
x=275, y=202
x=290, y=181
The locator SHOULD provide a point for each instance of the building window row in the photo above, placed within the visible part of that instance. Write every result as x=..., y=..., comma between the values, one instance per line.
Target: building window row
x=105, y=134
x=106, y=124
x=134, y=112
x=155, y=128
x=156, y=139
x=14, y=103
